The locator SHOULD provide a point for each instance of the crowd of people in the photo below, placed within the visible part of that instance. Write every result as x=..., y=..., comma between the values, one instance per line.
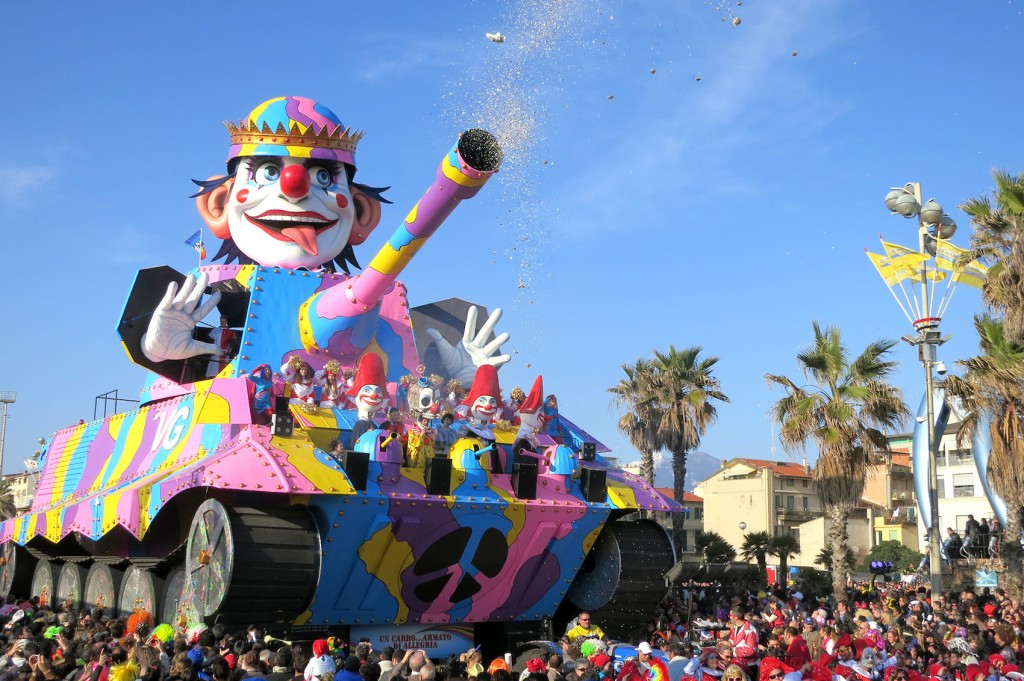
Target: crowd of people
x=703, y=634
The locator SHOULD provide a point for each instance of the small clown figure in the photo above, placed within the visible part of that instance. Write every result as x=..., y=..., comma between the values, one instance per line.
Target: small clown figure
x=263, y=397
x=300, y=376
x=531, y=419
x=421, y=441
x=368, y=393
x=331, y=389
x=482, y=402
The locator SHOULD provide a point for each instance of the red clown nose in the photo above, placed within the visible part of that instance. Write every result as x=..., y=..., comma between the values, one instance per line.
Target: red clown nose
x=295, y=182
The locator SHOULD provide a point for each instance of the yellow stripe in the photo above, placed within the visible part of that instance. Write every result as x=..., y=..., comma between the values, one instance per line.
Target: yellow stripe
x=457, y=176
x=60, y=470
x=390, y=261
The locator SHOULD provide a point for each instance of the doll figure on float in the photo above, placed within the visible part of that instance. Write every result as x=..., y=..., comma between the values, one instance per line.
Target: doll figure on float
x=531, y=420
x=300, y=377
x=263, y=395
x=289, y=204
x=368, y=393
x=332, y=390
x=224, y=338
x=482, y=403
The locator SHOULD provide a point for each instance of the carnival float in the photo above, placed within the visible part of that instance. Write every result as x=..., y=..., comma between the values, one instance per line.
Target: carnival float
x=258, y=480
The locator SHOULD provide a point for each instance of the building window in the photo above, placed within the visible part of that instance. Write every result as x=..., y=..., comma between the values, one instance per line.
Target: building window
x=959, y=457
x=941, y=482
x=807, y=504
x=789, y=482
x=892, y=536
x=778, y=501
x=698, y=513
x=790, y=503
x=940, y=458
x=963, y=485
x=803, y=483
x=684, y=544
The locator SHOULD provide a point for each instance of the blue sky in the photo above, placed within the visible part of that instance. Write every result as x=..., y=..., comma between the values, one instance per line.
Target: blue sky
x=639, y=208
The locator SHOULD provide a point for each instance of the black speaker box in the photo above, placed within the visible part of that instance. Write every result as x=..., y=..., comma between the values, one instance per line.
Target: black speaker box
x=283, y=424
x=589, y=451
x=280, y=404
x=524, y=480
x=357, y=468
x=439, y=476
x=594, y=485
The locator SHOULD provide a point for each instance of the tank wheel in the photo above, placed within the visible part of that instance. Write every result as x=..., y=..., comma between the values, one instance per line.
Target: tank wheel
x=70, y=585
x=251, y=565
x=622, y=579
x=140, y=590
x=101, y=586
x=16, y=568
x=44, y=582
x=173, y=593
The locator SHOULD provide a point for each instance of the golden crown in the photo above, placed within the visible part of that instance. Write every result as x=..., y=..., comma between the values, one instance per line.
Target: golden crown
x=250, y=132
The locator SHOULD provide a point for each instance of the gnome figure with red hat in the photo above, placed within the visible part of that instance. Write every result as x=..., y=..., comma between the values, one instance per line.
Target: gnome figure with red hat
x=531, y=418
x=483, y=400
x=368, y=393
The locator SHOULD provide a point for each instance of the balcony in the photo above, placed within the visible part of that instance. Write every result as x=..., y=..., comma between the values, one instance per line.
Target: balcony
x=791, y=515
x=901, y=515
x=902, y=498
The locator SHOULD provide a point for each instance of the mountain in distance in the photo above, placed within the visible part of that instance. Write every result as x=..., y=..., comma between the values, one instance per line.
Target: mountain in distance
x=699, y=465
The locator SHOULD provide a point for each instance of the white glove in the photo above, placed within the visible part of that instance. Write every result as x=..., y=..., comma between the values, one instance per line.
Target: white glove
x=460, y=361
x=169, y=335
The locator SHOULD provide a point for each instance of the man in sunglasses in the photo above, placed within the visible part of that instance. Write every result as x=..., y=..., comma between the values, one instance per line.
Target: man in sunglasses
x=584, y=629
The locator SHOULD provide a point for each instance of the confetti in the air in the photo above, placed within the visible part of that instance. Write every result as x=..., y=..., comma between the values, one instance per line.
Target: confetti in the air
x=697, y=78
x=495, y=37
x=653, y=71
x=611, y=96
x=736, y=21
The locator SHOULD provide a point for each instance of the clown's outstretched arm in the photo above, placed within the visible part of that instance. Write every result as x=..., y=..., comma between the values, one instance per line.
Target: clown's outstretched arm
x=462, y=360
x=344, y=318
x=169, y=335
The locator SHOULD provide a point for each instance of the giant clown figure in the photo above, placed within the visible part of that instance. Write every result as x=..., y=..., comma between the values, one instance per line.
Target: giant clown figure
x=289, y=213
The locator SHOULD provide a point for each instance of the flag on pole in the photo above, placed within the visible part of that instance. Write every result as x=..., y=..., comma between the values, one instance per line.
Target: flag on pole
x=196, y=242
x=972, y=274
x=896, y=251
x=894, y=269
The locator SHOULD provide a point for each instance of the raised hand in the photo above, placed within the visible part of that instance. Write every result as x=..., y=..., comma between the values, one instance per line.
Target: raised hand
x=460, y=361
x=169, y=335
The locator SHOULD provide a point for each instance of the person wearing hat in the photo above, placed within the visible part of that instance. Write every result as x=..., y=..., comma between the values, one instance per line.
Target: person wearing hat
x=320, y=663
x=643, y=656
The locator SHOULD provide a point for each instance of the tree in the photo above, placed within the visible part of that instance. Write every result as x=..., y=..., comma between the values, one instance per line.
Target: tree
x=635, y=396
x=7, y=508
x=894, y=552
x=714, y=548
x=991, y=392
x=999, y=238
x=824, y=559
x=784, y=547
x=755, y=547
x=844, y=413
x=686, y=392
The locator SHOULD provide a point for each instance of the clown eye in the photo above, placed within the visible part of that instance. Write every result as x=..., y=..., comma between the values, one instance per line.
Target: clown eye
x=266, y=173
x=322, y=176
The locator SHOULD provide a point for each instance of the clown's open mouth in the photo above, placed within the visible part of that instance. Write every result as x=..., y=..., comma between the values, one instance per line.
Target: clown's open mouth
x=300, y=227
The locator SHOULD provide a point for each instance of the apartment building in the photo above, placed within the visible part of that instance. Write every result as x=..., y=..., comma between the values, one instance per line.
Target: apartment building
x=692, y=519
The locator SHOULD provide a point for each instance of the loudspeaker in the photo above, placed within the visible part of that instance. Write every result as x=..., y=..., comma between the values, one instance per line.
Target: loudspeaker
x=524, y=480
x=439, y=476
x=283, y=424
x=594, y=485
x=280, y=404
x=357, y=467
x=589, y=451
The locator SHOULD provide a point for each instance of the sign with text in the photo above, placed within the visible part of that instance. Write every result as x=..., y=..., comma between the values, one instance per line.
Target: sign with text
x=438, y=640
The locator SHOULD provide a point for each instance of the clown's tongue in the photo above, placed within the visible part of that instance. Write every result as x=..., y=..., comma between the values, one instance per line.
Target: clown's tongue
x=303, y=235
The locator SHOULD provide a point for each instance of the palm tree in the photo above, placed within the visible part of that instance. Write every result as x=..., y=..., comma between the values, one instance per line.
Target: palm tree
x=784, y=547
x=713, y=547
x=993, y=387
x=755, y=547
x=999, y=237
x=633, y=394
x=7, y=508
x=824, y=559
x=686, y=392
x=843, y=413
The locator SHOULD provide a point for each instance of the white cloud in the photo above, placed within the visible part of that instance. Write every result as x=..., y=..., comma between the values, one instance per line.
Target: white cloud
x=16, y=183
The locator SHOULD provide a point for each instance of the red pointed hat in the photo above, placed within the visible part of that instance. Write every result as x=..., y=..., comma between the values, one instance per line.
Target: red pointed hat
x=535, y=400
x=485, y=382
x=369, y=372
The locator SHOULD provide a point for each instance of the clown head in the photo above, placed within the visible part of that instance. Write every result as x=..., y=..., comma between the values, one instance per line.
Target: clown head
x=484, y=395
x=288, y=199
x=369, y=389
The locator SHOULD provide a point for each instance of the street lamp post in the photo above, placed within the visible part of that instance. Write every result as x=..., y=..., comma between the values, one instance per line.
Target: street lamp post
x=6, y=397
x=932, y=224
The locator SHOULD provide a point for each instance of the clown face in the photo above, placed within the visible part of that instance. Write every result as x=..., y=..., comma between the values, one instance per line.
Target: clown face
x=290, y=212
x=369, y=399
x=484, y=408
